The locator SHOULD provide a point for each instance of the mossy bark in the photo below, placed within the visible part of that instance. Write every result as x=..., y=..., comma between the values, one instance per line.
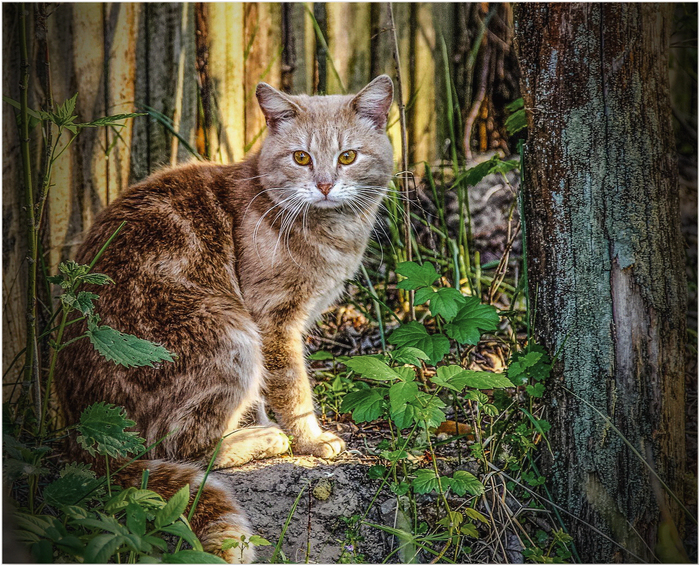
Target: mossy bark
x=605, y=267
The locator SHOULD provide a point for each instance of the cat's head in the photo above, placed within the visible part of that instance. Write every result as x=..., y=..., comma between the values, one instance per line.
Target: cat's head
x=326, y=151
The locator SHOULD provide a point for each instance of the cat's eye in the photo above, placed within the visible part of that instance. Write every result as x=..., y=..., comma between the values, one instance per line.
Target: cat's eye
x=347, y=157
x=302, y=158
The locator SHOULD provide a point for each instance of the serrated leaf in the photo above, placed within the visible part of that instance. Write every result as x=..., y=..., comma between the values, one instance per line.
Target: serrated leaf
x=136, y=519
x=257, y=540
x=530, y=359
x=75, y=512
x=446, y=302
x=372, y=368
x=111, y=120
x=429, y=410
x=423, y=295
x=173, y=508
x=180, y=529
x=408, y=355
x=470, y=530
x=74, y=485
x=100, y=549
x=403, y=416
x=102, y=431
x=125, y=349
x=192, y=557
x=84, y=301
x=474, y=514
x=425, y=481
x=481, y=380
x=402, y=393
x=64, y=112
x=415, y=335
x=464, y=482
x=366, y=404
x=416, y=275
x=445, y=376
x=536, y=390
x=96, y=279
x=15, y=469
x=230, y=543
x=471, y=320
x=394, y=455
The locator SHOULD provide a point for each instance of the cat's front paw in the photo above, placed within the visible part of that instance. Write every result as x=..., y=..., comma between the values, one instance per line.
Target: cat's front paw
x=324, y=445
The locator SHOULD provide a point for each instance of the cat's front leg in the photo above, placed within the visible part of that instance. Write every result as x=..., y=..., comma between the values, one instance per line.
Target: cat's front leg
x=288, y=392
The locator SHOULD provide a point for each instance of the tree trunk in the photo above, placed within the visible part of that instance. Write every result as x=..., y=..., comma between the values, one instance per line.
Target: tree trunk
x=605, y=268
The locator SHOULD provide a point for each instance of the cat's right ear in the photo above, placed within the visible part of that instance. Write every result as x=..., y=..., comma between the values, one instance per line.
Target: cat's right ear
x=275, y=105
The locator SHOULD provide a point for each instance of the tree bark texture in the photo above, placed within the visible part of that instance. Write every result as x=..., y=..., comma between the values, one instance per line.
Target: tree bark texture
x=605, y=267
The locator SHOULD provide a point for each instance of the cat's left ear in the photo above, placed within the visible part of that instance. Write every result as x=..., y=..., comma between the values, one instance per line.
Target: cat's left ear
x=276, y=106
x=374, y=101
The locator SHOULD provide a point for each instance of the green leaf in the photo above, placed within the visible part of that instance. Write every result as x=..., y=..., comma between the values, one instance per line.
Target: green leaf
x=125, y=349
x=464, y=482
x=402, y=393
x=103, y=425
x=74, y=485
x=366, y=404
x=376, y=472
x=256, y=540
x=82, y=301
x=415, y=335
x=321, y=355
x=423, y=295
x=446, y=302
x=470, y=530
x=408, y=355
x=446, y=377
x=180, y=529
x=416, y=275
x=136, y=519
x=372, y=368
x=403, y=416
x=474, y=175
x=536, y=390
x=471, y=320
x=192, y=557
x=64, y=112
x=516, y=121
x=111, y=120
x=517, y=104
x=96, y=279
x=173, y=508
x=425, y=481
x=474, y=514
x=428, y=410
x=100, y=549
x=394, y=455
x=481, y=380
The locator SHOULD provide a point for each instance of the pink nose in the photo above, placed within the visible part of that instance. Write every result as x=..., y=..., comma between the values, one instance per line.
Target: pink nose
x=325, y=188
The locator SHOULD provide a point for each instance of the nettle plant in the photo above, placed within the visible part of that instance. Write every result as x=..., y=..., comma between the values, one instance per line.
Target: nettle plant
x=410, y=387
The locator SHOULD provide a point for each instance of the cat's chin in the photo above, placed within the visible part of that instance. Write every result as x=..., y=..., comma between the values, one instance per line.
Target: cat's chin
x=327, y=203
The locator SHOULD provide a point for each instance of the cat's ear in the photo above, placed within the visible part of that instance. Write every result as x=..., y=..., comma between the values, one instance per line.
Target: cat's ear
x=374, y=101
x=276, y=106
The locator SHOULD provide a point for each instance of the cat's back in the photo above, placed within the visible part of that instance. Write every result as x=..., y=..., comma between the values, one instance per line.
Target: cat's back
x=172, y=206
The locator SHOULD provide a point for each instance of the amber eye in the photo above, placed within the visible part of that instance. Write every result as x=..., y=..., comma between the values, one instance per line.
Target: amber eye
x=302, y=158
x=347, y=157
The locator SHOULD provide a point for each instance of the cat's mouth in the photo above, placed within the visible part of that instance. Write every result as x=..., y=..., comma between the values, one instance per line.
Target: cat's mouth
x=327, y=202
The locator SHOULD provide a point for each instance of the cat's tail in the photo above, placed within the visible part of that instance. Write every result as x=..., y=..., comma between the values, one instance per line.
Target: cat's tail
x=217, y=516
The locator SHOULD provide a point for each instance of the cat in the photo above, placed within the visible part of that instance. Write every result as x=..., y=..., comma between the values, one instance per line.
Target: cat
x=227, y=266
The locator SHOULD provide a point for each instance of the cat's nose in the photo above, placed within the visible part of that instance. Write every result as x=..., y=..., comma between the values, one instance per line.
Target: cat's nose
x=325, y=188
